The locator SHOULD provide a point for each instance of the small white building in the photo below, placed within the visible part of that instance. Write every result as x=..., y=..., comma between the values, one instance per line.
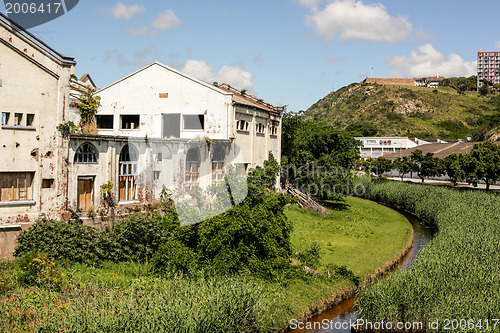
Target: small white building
x=375, y=147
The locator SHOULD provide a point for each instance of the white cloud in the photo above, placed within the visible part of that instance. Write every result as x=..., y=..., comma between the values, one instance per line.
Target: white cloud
x=427, y=61
x=166, y=20
x=497, y=45
x=125, y=12
x=199, y=69
x=141, y=31
x=233, y=75
x=353, y=20
x=140, y=58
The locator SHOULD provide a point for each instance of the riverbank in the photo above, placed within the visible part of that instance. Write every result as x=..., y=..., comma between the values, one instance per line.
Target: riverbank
x=352, y=237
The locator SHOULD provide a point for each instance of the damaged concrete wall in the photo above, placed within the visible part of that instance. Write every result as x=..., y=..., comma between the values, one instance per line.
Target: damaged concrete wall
x=34, y=101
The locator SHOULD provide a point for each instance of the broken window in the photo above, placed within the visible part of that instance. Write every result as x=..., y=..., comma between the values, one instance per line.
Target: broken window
x=259, y=128
x=18, y=118
x=242, y=168
x=86, y=154
x=273, y=127
x=16, y=186
x=192, y=174
x=47, y=183
x=30, y=118
x=218, y=166
x=242, y=125
x=5, y=118
x=129, y=122
x=129, y=158
x=194, y=122
x=105, y=121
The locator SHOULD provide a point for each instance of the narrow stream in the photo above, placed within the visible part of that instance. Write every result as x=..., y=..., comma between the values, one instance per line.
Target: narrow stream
x=345, y=311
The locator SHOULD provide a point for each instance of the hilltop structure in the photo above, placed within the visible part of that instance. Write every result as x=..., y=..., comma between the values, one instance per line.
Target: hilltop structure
x=488, y=67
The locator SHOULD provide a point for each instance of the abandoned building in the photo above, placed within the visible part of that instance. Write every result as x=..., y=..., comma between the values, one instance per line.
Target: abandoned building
x=156, y=128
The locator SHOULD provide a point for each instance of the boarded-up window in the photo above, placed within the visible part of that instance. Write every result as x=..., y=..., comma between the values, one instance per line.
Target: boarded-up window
x=171, y=125
x=194, y=121
x=163, y=95
x=16, y=186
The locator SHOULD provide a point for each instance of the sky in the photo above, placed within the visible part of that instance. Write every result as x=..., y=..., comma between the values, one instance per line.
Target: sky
x=287, y=52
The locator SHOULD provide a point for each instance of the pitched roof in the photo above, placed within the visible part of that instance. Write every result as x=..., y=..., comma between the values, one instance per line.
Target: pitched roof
x=249, y=100
x=173, y=70
x=6, y=20
x=439, y=150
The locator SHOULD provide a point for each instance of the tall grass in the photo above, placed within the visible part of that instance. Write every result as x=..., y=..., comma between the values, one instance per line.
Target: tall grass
x=148, y=305
x=457, y=276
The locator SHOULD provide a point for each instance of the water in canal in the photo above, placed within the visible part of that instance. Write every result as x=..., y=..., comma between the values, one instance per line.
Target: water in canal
x=345, y=311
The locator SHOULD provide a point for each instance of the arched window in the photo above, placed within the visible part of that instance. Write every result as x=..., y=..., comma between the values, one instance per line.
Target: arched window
x=218, y=166
x=128, y=173
x=192, y=174
x=86, y=154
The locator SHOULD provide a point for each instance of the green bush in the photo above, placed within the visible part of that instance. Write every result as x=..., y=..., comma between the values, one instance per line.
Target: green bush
x=62, y=241
x=174, y=256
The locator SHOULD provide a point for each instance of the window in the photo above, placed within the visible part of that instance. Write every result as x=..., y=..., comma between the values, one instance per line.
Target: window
x=242, y=125
x=218, y=166
x=194, y=122
x=259, y=128
x=5, y=118
x=30, y=117
x=16, y=186
x=192, y=174
x=18, y=118
x=242, y=168
x=129, y=122
x=129, y=158
x=105, y=121
x=86, y=154
x=273, y=128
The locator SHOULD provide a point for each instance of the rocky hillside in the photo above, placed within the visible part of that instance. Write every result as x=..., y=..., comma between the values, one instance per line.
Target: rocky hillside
x=389, y=110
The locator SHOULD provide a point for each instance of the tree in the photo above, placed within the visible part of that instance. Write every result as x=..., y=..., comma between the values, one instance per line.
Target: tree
x=382, y=165
x=454, y=167
x=483, y=163
x=485, y=88
x=317, y=158
x=362, y=129
x=426, y=165
x=404, y=165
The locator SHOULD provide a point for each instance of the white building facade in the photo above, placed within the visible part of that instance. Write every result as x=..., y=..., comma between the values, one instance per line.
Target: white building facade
x=375, y=147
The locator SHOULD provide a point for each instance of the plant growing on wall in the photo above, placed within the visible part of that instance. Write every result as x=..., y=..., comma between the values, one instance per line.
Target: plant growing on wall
x=88, y=106
x=107, y=195
x=67, y=128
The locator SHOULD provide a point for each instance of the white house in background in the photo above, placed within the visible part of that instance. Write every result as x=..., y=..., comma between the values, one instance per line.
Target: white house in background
x=159, y=127
x=375, y=147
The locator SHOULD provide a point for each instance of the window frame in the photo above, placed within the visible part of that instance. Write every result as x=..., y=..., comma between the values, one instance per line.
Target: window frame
x=86, y=156
x=201, y=121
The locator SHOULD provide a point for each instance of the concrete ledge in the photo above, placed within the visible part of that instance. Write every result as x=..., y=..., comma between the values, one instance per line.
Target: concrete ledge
x=19, y=128
x=10, y=227
x=17, y=203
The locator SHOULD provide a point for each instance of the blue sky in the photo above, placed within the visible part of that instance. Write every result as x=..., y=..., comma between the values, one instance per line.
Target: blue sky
x=288, y=52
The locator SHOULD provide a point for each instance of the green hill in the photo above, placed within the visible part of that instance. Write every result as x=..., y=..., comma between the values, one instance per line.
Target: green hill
x=391, y=110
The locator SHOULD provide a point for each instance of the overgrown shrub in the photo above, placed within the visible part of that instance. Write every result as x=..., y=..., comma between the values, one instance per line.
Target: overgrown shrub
x=174, y=256
x=62, y=241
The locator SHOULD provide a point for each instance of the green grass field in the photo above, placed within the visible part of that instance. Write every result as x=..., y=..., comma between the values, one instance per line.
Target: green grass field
x=359, y=234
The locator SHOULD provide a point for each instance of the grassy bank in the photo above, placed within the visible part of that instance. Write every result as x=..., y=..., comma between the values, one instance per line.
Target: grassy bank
x=359, y=234
x=358, y=237
x=456, y=276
